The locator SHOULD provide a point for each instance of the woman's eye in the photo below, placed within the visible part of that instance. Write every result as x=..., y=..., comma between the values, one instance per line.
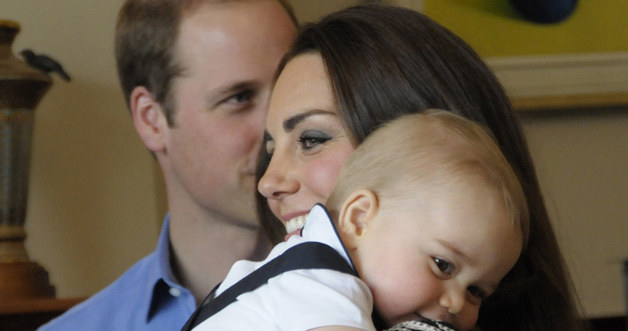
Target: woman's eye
x=311, y=139
x=443, y=265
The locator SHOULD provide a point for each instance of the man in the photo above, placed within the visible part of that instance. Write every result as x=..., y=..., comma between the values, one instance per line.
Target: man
x=197, y=77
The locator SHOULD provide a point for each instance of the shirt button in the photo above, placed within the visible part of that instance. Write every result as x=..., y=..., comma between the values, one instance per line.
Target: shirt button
x=175, y=292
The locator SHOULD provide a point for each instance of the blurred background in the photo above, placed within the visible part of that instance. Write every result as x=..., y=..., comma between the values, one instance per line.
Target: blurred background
x=96, y=199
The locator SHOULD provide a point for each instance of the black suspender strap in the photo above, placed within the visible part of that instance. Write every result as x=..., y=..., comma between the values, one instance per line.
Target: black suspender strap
x=308, y=255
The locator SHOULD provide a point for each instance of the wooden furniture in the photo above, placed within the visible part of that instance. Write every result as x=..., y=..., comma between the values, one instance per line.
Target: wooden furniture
x=28, y=315
x=618, y=323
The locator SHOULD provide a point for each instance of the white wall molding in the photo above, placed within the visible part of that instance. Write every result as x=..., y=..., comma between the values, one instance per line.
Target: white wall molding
x=563, y=75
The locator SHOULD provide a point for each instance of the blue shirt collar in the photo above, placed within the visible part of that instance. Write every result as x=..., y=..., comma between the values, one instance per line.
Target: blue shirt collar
x=161, y=278
x=163, y=268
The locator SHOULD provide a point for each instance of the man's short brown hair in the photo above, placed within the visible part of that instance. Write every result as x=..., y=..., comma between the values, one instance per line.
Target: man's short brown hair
x=146, y=34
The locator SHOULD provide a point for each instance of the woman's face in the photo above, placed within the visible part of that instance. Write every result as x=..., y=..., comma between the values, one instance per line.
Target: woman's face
x=305, y=138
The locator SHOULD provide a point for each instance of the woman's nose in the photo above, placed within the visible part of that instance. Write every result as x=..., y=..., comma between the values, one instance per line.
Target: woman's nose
x=277, y=182
x=453, y=300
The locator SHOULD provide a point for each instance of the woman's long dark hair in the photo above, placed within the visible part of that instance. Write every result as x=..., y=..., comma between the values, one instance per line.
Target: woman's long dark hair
x=386, y=61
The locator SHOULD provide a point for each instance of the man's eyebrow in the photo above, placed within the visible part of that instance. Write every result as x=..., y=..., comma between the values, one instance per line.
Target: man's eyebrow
x=239, y=86
x=289, y=124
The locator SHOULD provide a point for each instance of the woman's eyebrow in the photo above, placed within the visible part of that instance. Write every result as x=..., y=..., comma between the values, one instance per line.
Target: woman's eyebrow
x=292, y=122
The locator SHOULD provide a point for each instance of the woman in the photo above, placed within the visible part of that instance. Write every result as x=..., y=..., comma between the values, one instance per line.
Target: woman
x=363, y=66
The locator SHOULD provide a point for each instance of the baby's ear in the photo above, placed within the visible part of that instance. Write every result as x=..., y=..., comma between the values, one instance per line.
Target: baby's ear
x=356, y=214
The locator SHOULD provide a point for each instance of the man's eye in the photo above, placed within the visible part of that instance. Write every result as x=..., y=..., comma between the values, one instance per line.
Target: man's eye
x=242, y=97
x=443, y=265
x=269, y=145
x=311, y=139
x=269, y=150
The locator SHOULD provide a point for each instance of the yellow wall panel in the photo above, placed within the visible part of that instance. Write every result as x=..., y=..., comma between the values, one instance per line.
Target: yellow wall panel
x=494, y=28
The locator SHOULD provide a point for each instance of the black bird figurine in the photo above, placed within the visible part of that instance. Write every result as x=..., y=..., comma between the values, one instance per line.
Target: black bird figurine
x=44, y=63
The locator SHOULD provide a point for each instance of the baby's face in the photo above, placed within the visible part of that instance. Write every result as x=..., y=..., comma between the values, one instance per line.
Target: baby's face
x=438, y=254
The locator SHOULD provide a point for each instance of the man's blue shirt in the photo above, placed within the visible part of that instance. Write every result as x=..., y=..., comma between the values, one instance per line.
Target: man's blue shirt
x=145, y=297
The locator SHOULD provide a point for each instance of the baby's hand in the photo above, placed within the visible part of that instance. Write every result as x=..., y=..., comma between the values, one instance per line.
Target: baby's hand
x=423, y=325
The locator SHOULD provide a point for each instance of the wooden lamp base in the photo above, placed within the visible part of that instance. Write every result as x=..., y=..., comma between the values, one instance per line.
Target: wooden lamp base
x=23, y=281
x=20, y=278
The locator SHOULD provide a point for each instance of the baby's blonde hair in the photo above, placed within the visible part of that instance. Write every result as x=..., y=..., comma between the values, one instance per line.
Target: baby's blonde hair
x=429, y=149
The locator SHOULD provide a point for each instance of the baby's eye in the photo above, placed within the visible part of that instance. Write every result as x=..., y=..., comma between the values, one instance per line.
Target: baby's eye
x=311, y=139
x=443, y=265
x=477, y=292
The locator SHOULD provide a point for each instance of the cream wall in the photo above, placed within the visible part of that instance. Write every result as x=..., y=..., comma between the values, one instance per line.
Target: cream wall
x=94, y=203
x=91, y=208
x=581, y=159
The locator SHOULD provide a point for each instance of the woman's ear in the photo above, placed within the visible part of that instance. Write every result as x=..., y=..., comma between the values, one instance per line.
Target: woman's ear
x=149, y=119
x=356, y=215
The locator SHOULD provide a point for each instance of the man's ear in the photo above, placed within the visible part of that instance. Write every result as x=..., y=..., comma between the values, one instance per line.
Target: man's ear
x=356, y=216
x=149, y=119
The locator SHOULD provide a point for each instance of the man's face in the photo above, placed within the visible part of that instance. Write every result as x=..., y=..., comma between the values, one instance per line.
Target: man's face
x=228, y=53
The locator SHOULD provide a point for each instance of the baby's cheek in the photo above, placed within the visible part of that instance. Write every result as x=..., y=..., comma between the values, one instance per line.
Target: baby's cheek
x=399, y=298
x=469, y=317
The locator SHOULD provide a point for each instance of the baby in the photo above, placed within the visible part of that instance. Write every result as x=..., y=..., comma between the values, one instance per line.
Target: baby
x=428, y=217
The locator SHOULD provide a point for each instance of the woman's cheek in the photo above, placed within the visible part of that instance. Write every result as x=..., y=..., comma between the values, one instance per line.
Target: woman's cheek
x=274, y=208
x=325, y=172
